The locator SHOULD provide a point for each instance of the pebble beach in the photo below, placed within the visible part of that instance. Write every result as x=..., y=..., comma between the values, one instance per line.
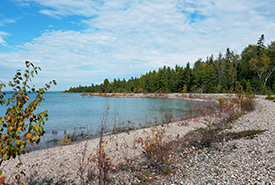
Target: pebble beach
x=242, y=161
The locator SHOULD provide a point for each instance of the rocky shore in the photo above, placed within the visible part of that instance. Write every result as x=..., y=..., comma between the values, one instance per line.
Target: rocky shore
x=243, y=161
x=185, y=96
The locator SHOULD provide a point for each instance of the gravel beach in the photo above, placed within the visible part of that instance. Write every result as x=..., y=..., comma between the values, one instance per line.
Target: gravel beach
x=242, y=161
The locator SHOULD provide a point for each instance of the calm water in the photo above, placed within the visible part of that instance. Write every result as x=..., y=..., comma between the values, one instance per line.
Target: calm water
x=73, y=114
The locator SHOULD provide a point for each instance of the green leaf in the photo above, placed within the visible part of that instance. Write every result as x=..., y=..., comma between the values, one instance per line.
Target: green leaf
x=5, y=157
x=17, y=142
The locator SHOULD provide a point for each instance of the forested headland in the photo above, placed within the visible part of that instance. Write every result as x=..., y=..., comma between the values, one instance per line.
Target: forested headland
x=253, y=71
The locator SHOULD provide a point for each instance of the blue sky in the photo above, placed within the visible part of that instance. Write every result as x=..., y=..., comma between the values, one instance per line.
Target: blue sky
x=79, y=42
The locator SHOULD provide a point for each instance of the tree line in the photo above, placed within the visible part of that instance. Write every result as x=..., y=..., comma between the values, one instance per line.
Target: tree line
x=252, y=70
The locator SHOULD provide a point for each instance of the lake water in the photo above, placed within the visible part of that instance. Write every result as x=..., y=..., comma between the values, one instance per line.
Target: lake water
x=73, y=114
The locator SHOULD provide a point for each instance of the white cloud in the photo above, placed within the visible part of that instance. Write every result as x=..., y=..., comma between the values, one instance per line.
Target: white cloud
x=59, y=8
x=2, y=41
x=127, y=38
x=3, y=22
x=2, y=35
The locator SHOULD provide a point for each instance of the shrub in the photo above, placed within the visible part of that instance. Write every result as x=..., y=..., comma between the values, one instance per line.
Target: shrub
x=21, y=125
x=101, y=160
x=269, y=96
x=65, y=141
x=103, y=163
x=248, y=103
x=156, y=152
x=248, y=89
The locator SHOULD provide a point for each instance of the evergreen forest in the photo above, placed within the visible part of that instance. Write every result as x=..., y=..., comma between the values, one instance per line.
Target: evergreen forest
x=252, y=71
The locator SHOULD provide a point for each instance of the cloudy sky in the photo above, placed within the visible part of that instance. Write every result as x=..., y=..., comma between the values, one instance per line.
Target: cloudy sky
x=79, y=42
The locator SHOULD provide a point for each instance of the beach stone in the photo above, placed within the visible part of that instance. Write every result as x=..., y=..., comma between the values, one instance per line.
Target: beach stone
x=242, y=161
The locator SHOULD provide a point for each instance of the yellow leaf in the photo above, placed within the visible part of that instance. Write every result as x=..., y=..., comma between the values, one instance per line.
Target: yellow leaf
x=8, y=117
x=10, y=128
x=19, y=128
x=33, y=138
x=29, y=135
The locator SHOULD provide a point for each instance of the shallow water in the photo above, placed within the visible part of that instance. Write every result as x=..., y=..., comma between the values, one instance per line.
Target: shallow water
x=73, y=114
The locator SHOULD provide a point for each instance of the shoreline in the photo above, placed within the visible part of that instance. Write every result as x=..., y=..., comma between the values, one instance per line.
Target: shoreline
x=188, y=97
x=62, y=162
x=182, y=96
x=120, y=148
x=126, y=147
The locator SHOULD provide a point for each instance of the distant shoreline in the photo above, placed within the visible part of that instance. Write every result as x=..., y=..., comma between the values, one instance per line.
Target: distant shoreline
x=186, y=96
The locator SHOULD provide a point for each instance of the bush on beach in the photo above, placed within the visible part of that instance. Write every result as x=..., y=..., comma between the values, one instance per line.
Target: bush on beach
x=21, y=126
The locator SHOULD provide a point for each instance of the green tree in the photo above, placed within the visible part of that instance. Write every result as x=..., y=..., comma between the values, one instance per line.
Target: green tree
x=20, y=125
x=248, y=89
x=106, y=87
x=238, y=88
x=260, y=63
x=256, y=64
x=163, y=80
x=271, y=55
